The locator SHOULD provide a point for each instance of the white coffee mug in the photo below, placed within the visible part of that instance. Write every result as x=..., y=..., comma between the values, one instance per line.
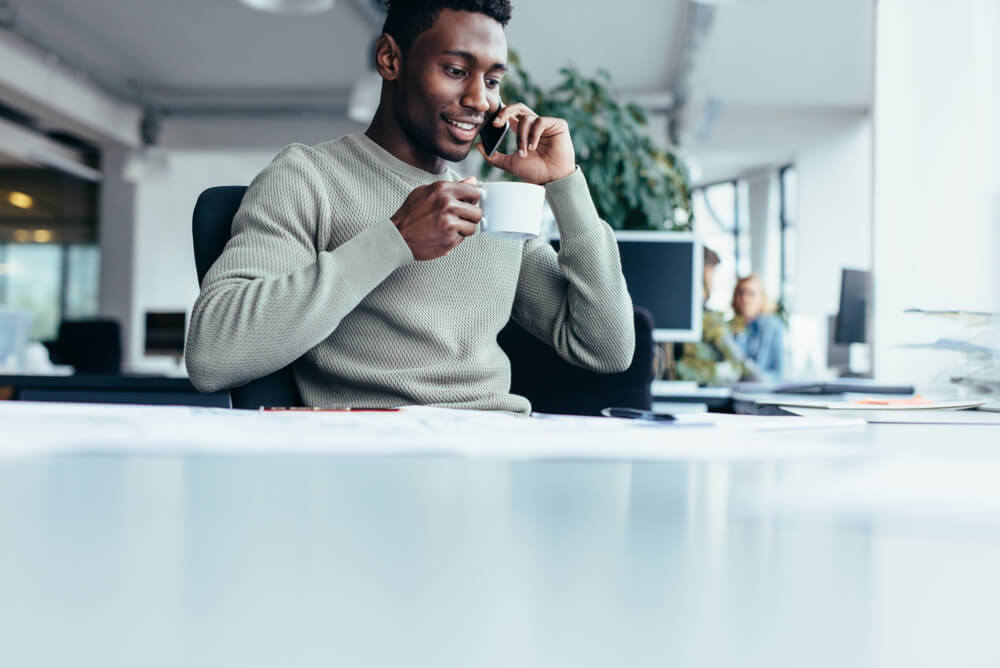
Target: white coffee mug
x=511, y=210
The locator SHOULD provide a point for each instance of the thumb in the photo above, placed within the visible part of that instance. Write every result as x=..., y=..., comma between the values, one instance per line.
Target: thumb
x=498, y=159
x=471, y=180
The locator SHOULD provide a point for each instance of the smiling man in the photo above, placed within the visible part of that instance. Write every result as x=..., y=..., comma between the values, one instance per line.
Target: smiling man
x=358, y=259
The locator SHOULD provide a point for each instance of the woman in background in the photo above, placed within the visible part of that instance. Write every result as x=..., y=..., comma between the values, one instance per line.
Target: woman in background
x=758, y=333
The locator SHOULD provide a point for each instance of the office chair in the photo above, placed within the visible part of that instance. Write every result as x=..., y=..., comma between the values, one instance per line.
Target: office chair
x=211, y=228
x=553, y=385
x=90, y=346
x=538, y=373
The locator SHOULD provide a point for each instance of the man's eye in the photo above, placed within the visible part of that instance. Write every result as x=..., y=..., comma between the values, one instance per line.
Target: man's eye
x=493, y=83
x=454, y=71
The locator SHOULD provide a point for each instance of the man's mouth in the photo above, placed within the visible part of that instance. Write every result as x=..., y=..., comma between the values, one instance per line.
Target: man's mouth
x=463, y=130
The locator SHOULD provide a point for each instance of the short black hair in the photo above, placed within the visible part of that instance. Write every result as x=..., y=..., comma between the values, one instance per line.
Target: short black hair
x=406, y=19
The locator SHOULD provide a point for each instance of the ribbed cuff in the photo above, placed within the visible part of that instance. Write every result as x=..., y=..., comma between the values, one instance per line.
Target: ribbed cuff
x=570, y=200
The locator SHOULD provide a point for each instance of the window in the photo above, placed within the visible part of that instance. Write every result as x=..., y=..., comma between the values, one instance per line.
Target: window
x=721, y=223
x=51, y=281
x=788, y=184
x=48, y=251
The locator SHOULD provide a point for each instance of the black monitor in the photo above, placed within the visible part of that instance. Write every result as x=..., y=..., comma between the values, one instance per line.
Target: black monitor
x=852, y=317
x=663, y=271
x=165, y=333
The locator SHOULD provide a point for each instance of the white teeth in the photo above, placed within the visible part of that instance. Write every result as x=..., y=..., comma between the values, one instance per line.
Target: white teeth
x=463, y=126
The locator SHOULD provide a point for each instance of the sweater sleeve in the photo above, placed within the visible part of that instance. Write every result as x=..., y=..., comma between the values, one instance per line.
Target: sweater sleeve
x=577, y=301
x=273, y=294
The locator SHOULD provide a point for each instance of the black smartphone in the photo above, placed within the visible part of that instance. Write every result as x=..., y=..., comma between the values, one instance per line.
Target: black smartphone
x=636, y=414
x=491, y=134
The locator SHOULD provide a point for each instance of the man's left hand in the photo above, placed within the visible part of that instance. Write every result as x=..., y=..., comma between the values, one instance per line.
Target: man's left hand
x=544, y=148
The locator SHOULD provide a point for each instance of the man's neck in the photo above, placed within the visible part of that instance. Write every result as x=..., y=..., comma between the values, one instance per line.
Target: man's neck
x=387, y=133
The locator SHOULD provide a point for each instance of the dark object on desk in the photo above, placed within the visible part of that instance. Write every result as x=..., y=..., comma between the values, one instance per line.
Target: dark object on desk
x=109, y=389
x=211, y=228
x=636, y=414
x=553, y=385
x=165, y=333
x=852, y=317
x=91, y=346
x=842, y=387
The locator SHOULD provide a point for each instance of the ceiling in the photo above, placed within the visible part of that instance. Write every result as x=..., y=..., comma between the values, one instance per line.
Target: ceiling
x=189, y=50
x=786, y=56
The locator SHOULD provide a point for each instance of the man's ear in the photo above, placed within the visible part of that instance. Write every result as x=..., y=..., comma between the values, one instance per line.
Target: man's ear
x=388, y=58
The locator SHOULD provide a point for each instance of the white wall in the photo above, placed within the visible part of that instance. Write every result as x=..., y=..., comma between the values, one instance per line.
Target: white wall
x=116, y=236
x=937, y=174
x=164, y=276
x=200, y=154
x=834, y=220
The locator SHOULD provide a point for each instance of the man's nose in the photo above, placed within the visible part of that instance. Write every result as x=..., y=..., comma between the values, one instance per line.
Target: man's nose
x=476, y=96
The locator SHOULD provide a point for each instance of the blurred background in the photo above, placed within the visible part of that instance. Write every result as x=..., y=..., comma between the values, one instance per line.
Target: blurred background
x=813, y=137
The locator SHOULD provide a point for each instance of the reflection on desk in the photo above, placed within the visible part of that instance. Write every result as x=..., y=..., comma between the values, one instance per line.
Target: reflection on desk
x=884, y=557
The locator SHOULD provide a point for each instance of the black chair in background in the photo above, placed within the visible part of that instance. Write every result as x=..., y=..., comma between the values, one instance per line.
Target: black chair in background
x=211, y=228
x=91, y=346
x=553, y=385
x=538, y=373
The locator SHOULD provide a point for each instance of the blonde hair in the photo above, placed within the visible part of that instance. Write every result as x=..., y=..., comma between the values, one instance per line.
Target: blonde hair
x=769, y=306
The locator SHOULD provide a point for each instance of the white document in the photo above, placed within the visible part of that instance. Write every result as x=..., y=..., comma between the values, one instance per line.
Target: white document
x=856, y=406
x=906, y=417
x=59, y=428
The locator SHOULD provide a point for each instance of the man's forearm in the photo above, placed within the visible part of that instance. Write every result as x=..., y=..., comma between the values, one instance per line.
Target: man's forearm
x=578, y=303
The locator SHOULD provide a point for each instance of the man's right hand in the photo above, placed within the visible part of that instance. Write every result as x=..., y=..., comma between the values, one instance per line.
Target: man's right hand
x=437, y=217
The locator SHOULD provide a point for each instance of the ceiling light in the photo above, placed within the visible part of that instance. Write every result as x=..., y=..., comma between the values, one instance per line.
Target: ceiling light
x=290, y=6
x=42, y=236
x=20, y=200
x=22, y=236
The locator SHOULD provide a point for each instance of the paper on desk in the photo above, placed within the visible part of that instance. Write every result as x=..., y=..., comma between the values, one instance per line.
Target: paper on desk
x=54, y=428
x=872, y=405
x=930, y=416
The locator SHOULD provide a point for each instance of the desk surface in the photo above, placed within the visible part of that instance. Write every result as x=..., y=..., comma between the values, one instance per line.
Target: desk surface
x=887, y=557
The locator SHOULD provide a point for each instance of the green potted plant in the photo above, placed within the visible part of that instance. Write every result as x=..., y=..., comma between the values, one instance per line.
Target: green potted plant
x=634, y=184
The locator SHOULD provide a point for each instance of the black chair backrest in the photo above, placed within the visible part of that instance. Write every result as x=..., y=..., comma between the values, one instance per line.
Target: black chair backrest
x=211, y=228
x=553, y=385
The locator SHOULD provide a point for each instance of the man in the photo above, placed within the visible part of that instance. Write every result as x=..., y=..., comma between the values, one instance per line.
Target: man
x=358, y=259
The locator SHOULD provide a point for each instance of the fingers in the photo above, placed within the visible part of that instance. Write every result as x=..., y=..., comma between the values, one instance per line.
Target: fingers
x=498, y=159
x=467, y=190
x=535, y=136
x=465, y=228
x=512, y=114
x=463, y=211
x=523, y=133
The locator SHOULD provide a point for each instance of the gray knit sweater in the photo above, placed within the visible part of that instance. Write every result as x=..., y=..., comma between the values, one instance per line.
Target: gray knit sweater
x=317, y=274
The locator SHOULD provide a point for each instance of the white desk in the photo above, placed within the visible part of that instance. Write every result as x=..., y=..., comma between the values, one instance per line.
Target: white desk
x=888, y=556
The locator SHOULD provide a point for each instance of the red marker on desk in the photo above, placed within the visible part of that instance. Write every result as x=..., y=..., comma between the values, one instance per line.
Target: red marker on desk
x=316, y=409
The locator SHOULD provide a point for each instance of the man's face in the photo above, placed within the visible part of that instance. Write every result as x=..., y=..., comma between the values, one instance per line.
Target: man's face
x=450, y=83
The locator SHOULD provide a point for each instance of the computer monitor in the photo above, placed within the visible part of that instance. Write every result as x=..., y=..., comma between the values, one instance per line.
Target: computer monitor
x=663, y=271
x=852, y=317
x=165, y=333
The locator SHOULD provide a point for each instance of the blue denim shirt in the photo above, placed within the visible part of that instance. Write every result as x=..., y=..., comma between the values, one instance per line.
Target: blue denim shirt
x=763, y=341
